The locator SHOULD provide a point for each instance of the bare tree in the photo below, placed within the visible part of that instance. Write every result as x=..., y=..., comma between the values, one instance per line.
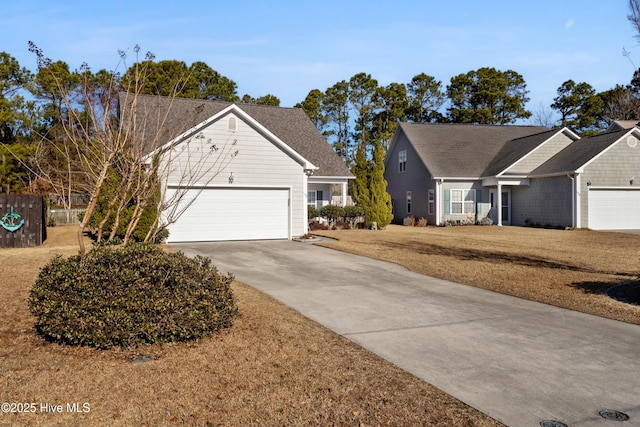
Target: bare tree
x=543, y=116
x=634, y=15
x=191, y=165
x=105, y=133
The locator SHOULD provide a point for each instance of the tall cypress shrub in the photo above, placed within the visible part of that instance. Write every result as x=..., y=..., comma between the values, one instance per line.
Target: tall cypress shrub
x=380, y=201
x=370, y=187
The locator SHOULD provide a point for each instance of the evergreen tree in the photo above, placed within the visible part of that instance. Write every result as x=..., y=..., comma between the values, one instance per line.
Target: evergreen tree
x=370, y=188
x=360, y=169
x=488, y=96
x=380, y=201
x=579, y=106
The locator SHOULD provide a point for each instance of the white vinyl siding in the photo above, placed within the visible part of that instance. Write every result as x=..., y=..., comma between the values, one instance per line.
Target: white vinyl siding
x=258, y=163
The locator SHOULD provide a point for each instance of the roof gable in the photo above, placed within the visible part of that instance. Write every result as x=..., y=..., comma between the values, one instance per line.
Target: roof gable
x=516, y=150
x=622, y=124
x=171, y=118
x=461, y=150
x=232, y=108
x=582, y=152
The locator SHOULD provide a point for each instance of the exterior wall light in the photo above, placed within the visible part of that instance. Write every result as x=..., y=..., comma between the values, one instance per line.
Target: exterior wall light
x=231, y=178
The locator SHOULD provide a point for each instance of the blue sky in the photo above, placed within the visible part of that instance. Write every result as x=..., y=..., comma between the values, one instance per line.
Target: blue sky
x=288, y=48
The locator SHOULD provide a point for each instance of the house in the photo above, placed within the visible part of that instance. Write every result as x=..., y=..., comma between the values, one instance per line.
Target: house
x=515, y=175
x=276, y=162
x=622, y=124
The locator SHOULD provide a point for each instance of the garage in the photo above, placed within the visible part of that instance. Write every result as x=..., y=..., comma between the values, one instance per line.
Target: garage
x=219, y=214
x=611, y=209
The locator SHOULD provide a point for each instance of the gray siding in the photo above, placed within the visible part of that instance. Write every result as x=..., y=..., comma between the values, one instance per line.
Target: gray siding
x=540, y=155
x=447, y=186
x=416, y=179
x=258, y=163
x=613, y=168
x=546, y=201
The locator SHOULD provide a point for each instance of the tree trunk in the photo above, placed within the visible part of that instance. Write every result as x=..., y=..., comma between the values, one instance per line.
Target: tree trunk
x=93, y=201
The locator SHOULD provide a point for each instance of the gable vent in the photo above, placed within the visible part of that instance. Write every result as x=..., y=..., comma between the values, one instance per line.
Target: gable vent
x=231, y=125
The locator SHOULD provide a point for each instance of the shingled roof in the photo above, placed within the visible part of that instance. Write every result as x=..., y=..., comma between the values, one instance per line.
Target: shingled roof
x=578, y=153
x=468, y=151
x=290, y=125
x=516, y=149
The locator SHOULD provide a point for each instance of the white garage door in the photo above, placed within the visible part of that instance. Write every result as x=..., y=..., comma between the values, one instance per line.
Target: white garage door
x=611, y=209
x=219, y=214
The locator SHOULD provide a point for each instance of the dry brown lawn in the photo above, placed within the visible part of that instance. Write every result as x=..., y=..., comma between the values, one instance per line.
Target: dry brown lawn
x=565, y=268
x=273, y=367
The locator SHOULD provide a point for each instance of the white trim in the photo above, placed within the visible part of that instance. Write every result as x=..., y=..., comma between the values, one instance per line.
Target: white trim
x=402, y=161
x=463, y=201
x=540, y=145
x=431, y=201
x=329, y=179
x=578, y=200
x=233, y=108
x=492, y=182
x=634, y=130
x=439, y=201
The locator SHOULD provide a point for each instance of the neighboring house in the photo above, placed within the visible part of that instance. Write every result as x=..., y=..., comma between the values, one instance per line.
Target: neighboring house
x=515, y=175
x=622, y=124
x=282, y=163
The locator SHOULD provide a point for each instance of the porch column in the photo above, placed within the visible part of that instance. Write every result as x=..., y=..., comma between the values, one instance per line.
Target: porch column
x=577, y=201
x=499, y=204
x=344, y=194
x=438, y=201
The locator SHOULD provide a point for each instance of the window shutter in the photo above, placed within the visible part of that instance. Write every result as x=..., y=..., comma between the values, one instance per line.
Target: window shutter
x=447, y=202
x=319, y=196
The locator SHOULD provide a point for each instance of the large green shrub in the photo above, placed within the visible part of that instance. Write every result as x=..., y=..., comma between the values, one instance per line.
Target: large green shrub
x=312, y=212
x=332, y=211
x=131, y=295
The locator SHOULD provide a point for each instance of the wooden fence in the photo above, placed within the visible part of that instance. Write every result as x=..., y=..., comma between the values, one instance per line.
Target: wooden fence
x=22, y=222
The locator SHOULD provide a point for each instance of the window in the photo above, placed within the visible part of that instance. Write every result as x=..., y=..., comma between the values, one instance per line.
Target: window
x=314, y=198
x=432, y=201
x=408, y=202
x=402, y=161
x=311, y=198
x=463, y=201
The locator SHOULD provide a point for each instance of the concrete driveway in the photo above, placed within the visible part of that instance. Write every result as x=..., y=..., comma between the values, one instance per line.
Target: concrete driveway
x=518, y=361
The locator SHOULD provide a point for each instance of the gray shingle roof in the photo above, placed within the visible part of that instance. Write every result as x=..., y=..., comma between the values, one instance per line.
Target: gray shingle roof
x=290, y=125
x=458, y=150
x=516, y=149
x=578, y=153
x=622, y=124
